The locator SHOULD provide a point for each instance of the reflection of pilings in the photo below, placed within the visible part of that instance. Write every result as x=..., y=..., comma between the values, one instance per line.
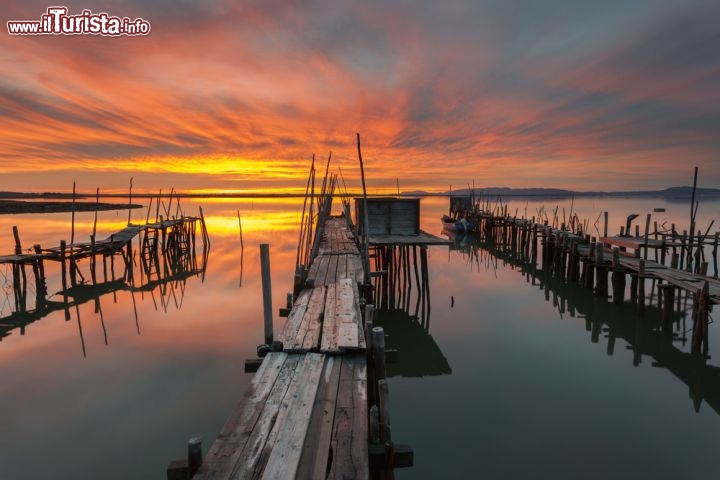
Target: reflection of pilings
x=394, y=279
x=182, y=262
x=569, y=255
x=419, y=355
x=655, y=334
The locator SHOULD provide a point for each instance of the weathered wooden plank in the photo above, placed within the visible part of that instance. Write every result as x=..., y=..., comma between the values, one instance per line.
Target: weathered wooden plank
x=355, y=269
x=632, y=242
x=294, y=320
x=225, y=450
x=316, y=451
x=360, y=326
x=329, y=340
x=348, y=314
x=332, y=269
x=322, y=269
x=294, y=419
x=341, y=271
x=308, y=337
x=350, y=428
x=251, y=460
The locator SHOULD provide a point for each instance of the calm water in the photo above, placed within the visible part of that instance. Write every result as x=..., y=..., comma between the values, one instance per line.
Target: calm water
x=519, y=378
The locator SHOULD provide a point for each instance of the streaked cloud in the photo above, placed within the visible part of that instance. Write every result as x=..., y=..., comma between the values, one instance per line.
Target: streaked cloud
x=587, y=95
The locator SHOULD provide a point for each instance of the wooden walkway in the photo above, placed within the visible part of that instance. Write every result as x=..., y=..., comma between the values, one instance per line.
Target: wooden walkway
x=305, y=415
x=581, y=258
x=112, y=243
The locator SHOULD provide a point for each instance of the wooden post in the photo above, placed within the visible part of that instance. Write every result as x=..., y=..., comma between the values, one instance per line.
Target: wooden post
x=194, y=455
x=129, y=273
x=299, y=281
x=92, y=259
x=63, y=270
x=641, y=287
x=130, y=200
x=378, y=346
x=267, y=292
x=618, y=279
x=18, y=270
x=600, y=271
x=700, y=317
x=647, y=231
x=589, y=266
x=369, y=319
x=366, y=226
x=674, y=260
x=384, y=401
x=668, y=302
x=692, y=219
x=605, y=227
x=714, y=255
x=40, y=283
x=302, y=217
x=72, y=218
x=370, y=352
x=575, y=263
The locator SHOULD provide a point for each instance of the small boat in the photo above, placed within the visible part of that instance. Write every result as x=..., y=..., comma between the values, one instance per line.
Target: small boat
x=461, y=225
x=448, y=223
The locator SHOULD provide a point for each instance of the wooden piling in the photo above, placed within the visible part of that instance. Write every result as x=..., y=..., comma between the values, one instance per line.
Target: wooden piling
x=195, y=456
x=600, y=271
x=668, y=294
x=267, y=292
x=366, y=225
x=700, y=319
x=605, y=226
x=641, y=287
x=378, y=349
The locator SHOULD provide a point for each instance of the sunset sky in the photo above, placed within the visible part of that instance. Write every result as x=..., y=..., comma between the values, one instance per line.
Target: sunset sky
x=238, y=95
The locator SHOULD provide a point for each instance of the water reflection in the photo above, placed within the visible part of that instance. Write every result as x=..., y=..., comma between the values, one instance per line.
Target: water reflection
x=402, y=293
x=163, y=273
x=644, y=335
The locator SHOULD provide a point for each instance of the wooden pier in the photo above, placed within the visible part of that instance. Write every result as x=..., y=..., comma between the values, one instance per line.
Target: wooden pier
x=607, y=321
x=308, y=412
x=166, y=253
x=318, y=406
x=603, y=265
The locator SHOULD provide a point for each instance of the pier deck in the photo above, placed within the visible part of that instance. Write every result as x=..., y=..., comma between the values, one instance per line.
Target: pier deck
x=305, y=414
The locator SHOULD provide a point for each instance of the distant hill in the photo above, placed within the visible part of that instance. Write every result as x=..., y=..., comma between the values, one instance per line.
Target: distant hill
x=668, y=193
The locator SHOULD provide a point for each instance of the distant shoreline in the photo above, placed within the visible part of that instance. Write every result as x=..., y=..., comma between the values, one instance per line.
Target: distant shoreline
x=15, y=207
x=682, y=192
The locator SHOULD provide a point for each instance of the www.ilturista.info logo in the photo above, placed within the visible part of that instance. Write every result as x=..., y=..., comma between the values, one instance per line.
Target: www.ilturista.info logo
x=57, y=22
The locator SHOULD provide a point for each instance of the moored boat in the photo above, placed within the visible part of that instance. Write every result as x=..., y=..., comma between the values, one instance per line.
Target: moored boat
x=460, y=225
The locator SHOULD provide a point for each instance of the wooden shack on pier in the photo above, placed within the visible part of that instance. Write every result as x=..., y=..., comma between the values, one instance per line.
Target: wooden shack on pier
x=390, y=215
